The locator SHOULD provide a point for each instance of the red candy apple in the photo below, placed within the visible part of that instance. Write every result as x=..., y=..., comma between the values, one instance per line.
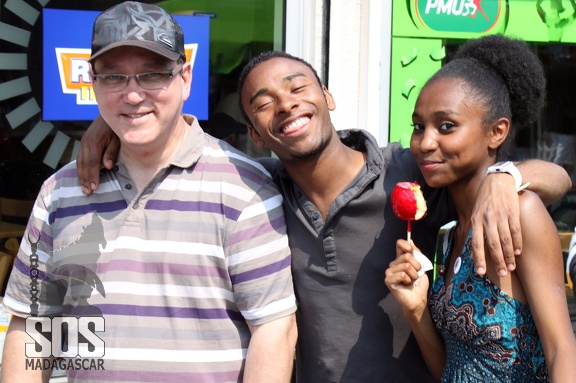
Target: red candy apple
x=408, y=202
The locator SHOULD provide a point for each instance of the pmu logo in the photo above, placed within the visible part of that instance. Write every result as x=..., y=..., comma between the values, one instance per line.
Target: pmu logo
x=476, y=16
x=74, y=71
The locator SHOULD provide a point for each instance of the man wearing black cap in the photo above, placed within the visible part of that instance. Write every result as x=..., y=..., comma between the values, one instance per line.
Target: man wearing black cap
x=195, y=276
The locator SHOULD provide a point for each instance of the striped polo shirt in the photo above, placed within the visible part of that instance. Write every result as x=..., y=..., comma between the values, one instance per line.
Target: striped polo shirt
x=177, y=270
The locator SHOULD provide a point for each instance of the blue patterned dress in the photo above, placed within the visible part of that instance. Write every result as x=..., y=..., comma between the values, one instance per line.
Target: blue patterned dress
x=489, y=336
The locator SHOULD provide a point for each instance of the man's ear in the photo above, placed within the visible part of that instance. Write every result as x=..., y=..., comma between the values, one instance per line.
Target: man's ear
x=498, y=133
x=329, y=98
x=187, y=80
x=255, y=136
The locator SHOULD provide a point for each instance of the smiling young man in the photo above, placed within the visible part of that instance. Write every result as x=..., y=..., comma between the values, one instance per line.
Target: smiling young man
x=341, y=227
x=196, y=281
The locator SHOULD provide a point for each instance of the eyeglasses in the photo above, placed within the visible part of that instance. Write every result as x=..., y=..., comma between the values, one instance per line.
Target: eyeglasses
x=148, y=81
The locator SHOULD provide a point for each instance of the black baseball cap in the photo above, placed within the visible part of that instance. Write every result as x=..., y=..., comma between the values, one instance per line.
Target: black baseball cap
x=140, y=25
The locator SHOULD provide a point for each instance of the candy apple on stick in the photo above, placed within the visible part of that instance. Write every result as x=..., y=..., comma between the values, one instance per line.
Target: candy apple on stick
x=408, y=203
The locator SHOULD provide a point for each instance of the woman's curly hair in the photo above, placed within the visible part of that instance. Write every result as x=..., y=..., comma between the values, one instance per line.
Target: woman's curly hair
x=505, y=75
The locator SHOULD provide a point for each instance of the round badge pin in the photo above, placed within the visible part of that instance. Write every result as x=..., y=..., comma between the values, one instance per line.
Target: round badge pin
x=457, y=265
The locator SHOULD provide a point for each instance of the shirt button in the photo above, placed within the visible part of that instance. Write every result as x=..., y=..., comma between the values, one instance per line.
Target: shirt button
x=136, y=206
x=128, y=186
x=315, y=216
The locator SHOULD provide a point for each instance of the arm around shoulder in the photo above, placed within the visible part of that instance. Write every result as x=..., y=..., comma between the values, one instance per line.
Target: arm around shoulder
x=496, y=215
x=99, y=144
x=549, y=180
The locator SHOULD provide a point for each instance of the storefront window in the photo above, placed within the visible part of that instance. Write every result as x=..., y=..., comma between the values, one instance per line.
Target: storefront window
x=32, y=148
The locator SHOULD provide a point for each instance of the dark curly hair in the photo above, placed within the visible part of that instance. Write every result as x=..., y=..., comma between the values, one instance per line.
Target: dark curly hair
x=262, y=57
x=503, y=74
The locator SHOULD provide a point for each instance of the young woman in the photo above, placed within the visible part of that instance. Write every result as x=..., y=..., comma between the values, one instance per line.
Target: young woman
x=472, y=328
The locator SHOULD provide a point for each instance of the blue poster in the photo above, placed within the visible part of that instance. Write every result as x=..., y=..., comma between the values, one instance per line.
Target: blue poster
x=67, y=86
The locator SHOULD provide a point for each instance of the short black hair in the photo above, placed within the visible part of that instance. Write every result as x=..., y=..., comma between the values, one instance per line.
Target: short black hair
x=505, y=75
x=262, y=57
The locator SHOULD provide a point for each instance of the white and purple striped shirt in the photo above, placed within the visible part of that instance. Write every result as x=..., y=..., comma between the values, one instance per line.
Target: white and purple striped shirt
x=185, y=264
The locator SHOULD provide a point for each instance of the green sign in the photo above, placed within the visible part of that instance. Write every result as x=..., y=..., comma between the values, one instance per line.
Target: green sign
x=421, y=29
x=474, y=16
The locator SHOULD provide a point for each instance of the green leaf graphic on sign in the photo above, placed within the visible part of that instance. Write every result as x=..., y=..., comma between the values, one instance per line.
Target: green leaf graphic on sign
x=407, y=88
x=411, y=58
x=438, y=54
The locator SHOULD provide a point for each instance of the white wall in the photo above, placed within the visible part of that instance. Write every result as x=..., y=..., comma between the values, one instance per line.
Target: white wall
x=358, y=58
x=305, y=31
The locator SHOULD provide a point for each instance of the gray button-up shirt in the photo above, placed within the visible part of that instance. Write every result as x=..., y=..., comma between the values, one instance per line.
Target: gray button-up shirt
x=350, y=327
